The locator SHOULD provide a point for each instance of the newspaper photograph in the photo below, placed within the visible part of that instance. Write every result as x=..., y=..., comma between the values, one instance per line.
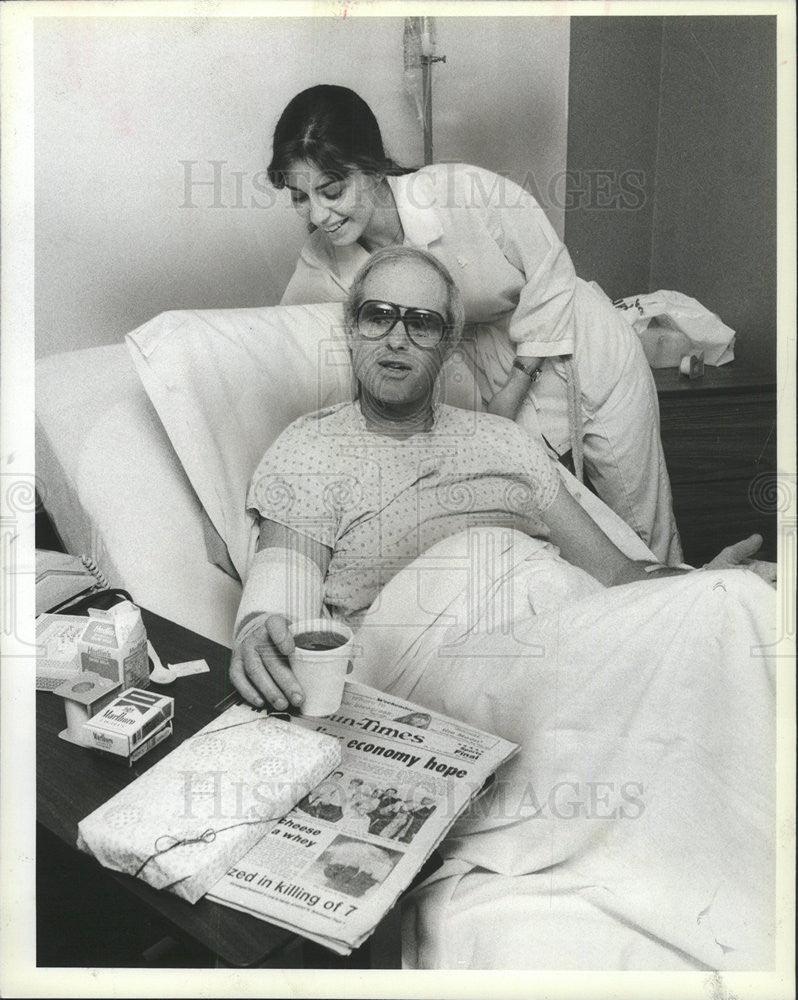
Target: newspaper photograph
x=336, y=863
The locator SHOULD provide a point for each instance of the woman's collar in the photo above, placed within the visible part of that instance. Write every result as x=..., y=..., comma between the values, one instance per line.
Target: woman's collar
x=342, y=262
x=415, y=199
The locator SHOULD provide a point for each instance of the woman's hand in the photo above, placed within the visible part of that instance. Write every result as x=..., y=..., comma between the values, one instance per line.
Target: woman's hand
x=740, y=555
x=259, y=669
x=507, y=401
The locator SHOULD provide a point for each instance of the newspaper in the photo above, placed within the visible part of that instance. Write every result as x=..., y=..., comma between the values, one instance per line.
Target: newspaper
x=333, y=866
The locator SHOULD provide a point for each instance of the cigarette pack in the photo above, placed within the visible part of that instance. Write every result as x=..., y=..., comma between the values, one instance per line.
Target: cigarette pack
x=84, y=696
x=158, y=736
x=57, y=657
x=128, y=720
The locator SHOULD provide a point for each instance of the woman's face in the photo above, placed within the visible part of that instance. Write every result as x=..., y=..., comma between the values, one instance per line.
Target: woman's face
x=340, y=206
x=394, y=372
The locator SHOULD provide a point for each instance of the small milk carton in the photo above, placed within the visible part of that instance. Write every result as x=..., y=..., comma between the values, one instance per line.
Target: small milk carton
x=114, y=645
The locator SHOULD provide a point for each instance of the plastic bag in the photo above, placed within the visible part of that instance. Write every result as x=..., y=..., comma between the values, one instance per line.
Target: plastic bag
x=672, y=325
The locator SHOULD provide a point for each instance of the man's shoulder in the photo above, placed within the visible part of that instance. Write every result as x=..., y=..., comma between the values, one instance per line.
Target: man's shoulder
x=319, y=421
x=482, y=422
x=473, y=429
x=307, y=431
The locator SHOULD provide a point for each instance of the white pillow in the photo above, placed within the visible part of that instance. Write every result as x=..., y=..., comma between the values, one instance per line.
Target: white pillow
x=226, y=382
x=116, y=491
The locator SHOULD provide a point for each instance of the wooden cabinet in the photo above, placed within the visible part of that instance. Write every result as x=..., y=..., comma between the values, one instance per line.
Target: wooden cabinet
x=719, y=436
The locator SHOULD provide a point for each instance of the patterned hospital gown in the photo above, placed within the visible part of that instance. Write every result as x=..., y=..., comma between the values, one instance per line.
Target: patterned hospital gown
x=378, y=502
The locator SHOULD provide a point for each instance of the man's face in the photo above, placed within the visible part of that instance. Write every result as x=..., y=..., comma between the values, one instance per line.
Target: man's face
x=394, y=371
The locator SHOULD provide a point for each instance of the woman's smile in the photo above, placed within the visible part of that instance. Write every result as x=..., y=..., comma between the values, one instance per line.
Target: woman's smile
x=340, y=206
x=348, y=208
x=335, y=227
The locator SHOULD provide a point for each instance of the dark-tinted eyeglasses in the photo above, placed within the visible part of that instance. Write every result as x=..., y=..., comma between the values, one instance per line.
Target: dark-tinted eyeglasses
x=376, y=319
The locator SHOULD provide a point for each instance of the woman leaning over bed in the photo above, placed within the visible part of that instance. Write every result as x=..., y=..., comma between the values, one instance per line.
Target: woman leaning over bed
x=349, y=495
x=556, y=356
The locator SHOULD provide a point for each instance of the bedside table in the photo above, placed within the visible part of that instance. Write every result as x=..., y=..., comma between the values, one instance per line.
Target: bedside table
x=72, y=781
x=719, y=437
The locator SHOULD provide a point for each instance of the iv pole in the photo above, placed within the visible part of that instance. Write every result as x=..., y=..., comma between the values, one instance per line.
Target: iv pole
x=427, y=59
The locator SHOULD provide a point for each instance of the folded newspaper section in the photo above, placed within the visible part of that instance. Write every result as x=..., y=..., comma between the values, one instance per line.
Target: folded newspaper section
x=198, y=810
x=334, y=866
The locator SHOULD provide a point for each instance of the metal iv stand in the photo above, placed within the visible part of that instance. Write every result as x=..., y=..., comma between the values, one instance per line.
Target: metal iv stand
x=427, y=59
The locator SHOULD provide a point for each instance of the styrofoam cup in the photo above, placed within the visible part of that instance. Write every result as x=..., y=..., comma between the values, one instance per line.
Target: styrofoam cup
x=321, y=672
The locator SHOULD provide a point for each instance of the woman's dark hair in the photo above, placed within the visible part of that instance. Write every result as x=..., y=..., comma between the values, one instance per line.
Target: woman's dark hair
x=333, y=128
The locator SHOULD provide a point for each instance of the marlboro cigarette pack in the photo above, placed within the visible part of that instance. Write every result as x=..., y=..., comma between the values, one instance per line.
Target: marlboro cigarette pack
x=156, y=737
x=128, y=720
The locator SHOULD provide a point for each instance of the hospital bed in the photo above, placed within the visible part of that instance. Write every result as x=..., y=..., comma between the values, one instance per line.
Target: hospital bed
x=144, y=452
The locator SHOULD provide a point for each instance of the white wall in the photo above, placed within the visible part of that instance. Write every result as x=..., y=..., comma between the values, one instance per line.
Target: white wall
x=501, y=100
x=120, y=102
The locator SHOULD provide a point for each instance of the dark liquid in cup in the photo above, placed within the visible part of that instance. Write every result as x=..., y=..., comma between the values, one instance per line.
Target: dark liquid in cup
x=320, y=640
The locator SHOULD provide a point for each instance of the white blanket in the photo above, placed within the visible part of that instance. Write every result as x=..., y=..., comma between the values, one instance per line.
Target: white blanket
x=636, y=827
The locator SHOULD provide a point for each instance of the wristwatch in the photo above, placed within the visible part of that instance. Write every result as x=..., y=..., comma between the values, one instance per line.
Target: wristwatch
x=533, y=373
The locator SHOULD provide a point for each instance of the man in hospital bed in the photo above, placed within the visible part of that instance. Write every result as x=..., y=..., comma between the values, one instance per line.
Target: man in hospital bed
x=478, y=587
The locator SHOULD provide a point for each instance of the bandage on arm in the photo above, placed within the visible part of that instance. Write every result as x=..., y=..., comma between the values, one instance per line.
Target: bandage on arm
x=284, y=578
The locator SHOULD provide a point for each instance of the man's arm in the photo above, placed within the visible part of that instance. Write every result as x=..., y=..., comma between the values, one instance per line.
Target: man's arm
x=582, y=543
x=285, y=583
